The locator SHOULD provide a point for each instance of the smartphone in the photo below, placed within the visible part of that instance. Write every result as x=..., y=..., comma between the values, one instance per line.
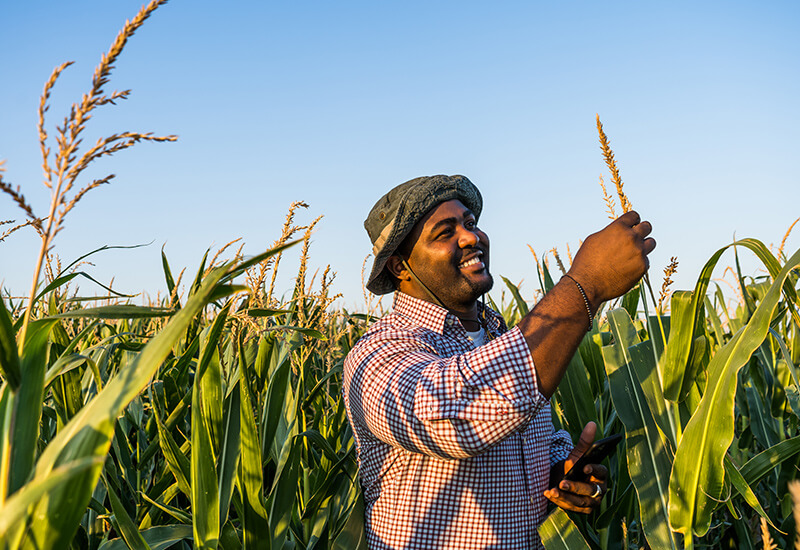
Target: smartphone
x=595, y=455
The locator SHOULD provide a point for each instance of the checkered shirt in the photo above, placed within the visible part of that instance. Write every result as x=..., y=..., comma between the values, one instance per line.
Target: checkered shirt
x=455, y=443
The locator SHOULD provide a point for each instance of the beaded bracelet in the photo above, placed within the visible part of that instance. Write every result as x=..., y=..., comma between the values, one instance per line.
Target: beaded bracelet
x=585, y=300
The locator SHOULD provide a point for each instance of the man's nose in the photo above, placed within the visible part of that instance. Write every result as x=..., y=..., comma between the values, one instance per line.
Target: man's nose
x=468, y=238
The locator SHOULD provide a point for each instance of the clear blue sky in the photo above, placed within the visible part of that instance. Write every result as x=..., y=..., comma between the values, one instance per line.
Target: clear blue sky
x=333, y=103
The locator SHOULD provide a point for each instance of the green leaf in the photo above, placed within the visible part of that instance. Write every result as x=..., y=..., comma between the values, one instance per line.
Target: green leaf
x=122, y=311
x=276, y=393
x=177, y=463
x=521, y=304
x=687, y=317
x=679, y=344
x=558, y=532
x=769, y=459
x=57, y=515
x=229, y=455
x=251, y=480
x=744, y=489
x=26, y=404
x=127, y=528
x=237, y=269
x=9, y=358
x=697, y=481
x=648, y=454
x=159, y=538
x=352, y=535
x=176, y=513
x=283, y=494
x=16, y=507
x=574, y=394
x=206, y=427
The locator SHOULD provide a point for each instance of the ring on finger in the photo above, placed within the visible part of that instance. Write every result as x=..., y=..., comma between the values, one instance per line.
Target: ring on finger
x=598, y=491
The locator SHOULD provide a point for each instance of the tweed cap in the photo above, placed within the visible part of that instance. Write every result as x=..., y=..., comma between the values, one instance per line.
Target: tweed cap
x=398, y=211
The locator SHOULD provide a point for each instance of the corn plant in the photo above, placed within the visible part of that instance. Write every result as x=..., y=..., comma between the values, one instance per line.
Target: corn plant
x=708, y=401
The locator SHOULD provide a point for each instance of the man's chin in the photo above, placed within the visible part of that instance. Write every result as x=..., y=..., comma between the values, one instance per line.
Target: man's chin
x=481, y=286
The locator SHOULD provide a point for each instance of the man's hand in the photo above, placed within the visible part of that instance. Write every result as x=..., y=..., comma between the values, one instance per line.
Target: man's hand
x=611, y=261
x=579, y=496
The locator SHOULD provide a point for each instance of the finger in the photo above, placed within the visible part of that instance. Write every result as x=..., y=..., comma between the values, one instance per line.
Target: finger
x=584, y=442
x=643, y=229
x=630, y=218
x=649, y=245
x=573, y=503
x=597, y=471
x=581, y=488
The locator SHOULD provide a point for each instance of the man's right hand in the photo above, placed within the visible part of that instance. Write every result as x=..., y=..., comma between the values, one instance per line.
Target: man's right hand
x=611, y=261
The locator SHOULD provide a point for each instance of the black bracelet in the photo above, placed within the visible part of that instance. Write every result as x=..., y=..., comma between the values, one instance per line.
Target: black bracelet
x=585, y=300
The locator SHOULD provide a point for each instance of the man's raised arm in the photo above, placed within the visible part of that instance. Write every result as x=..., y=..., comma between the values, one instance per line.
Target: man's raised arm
x=608, y=264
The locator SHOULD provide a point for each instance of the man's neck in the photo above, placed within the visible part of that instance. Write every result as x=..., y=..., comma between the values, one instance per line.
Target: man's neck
x=466, y=313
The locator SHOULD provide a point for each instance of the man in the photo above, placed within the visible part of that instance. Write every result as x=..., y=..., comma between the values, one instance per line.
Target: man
x=450, y=410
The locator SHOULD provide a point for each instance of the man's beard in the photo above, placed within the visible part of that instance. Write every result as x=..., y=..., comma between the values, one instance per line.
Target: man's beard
x=471, y=290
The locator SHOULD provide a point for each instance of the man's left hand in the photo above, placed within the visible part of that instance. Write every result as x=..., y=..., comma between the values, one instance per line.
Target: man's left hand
x=579, y=496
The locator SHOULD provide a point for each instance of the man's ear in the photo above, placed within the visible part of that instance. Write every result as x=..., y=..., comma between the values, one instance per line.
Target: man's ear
x=394, y=264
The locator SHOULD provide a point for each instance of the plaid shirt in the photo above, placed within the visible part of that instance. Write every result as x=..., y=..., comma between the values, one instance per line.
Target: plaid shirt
x=455, y=443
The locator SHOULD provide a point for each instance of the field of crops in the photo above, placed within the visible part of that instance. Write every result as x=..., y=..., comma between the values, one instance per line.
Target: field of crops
x=214, y=418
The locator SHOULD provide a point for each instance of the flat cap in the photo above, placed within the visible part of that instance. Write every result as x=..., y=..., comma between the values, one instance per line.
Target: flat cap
x=397, y=212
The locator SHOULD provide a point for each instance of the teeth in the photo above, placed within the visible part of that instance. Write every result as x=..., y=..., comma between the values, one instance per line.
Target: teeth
x=473, y=261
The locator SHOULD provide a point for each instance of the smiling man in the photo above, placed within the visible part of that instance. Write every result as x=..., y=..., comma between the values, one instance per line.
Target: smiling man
x=450, y=410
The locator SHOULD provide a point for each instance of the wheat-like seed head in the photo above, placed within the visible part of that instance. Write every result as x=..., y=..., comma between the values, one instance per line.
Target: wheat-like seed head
x=43, y=108
x=794, y=490
x=17, y=227
x=286, y=233
x=538, y=264
x=301, y=273
x=558, y=261
x=769, y=544
x=17, y=196
x=608, y=155
x=609, y=200
x=786, y=236
x=224, y=247
x=669, y=271
x=60, y=177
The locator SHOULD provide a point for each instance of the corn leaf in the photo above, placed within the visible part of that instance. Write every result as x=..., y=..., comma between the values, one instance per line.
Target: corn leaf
x=558, y=532
x=251, y=480
x=648, y=454
x=206, y=426
x=744, y=489
x=696, y=484
x=13, y=512
x=89, y=433
x=9, y=358
x=159, y=538
x=127, y=528
x=26, y=405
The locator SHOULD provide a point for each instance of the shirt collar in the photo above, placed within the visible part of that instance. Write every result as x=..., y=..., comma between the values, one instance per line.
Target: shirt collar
x=433, y=317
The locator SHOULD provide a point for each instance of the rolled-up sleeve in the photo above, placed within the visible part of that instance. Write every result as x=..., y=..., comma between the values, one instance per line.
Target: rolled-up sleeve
x=560, y=446
x=449, y=407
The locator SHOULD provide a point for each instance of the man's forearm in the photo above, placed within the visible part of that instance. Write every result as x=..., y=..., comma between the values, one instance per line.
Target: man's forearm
x=553, y=330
